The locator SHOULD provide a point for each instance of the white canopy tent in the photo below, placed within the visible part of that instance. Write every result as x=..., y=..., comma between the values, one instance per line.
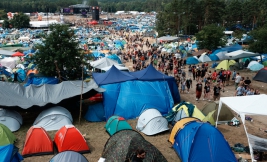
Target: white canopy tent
x=103, y=62
x=245, y=105
x=119, y=67
x=240, y=54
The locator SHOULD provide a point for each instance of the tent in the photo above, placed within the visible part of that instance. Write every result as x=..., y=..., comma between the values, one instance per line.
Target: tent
x=115, y=124
x=232, y=48
x=261, y=75
x=37, y=142
x=113, y=75
x=17, y=54
x=252, y=63
x=6, y=136
x=199, y=141
x=70, y=138
x=95, y=113
x=241, y=54
x=115, y=57
x=53, y=118
x=103, y=62
x=25, y=97
x=183, y=110
x=180, y=124
x=11, y=119
x=8, y=62
x=256, y=67
x=247, y=105
x=191, y=61
x=119, y=67
x=6, y=52
x=128, y=99
x=151, y=122
x=123, y=144
x=41, y=81
x=69, y=156
x=204, y=58
x=151, y=74
x=9, y=153
x=225, y=115
x=225, y=64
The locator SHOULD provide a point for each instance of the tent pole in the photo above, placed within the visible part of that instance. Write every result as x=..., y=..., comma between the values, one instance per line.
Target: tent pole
x=81, y=99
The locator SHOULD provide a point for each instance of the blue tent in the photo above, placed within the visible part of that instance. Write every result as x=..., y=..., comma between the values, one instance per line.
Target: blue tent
x=115, y=57
x=10, y=153
x=113, y=75
x=41, y=81
x=98, y=54
x=151, y=74
x=95, y=113
x=232, y=48
x=128, y=99
x=191, y=61
x=199, y=141
x=214, y=57
x=21, y=75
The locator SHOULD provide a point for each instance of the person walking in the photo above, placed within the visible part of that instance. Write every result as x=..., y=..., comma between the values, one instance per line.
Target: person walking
x=237, y=80
x=198, y=90
x=207, y=91
x=216, y=92
x=188, y=84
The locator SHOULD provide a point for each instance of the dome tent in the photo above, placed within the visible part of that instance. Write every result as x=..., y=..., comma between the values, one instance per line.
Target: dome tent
x=11, y=119
x=151, y=122
x=198, y=140
x=6, y=136
x=69, y=156
x=124, y=143
x=37, y=142
x=53, y=118
x=115, y=124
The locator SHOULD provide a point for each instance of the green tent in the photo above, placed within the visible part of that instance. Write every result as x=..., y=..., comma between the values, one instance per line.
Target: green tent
x=115, y=124
x=6, y=136
x=122, y=146
x=265, y=63
x=225, y=64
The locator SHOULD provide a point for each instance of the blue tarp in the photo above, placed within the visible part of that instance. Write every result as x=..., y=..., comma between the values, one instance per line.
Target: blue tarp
x=199, y=140
x=95, y=113
x=115, y=57
x=41, y=81
x=191, y=61
x=9, y=153
x=21, y=75
x=128, y=99
x=113, y=75
x=232, y=48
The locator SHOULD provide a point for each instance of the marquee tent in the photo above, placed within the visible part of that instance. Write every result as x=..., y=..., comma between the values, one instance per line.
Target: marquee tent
x=241, y=54
x=247, y=105
x=13, y=94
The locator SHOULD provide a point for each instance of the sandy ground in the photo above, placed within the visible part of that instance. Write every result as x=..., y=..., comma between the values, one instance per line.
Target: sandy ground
x=96, y=135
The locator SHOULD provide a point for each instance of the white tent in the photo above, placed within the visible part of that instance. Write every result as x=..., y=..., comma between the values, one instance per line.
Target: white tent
x=252, y=63
x=245, y=105
x=222, y=55
x=240, y=54
x=119, y=67
x=204, y=58
x=151, y=122
x=11, y=119
x=8, y=62
x=103, y=62
x=54, y=118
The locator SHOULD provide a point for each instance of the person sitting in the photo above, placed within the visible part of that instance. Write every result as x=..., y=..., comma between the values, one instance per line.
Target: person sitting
x=240, y=91
x=139, y=155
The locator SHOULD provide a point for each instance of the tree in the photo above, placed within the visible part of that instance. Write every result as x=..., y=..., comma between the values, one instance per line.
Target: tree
x=92, y=3
x=259, y=41
x=20, y=20
x=3, y=15
x=210, y=37
x=60, y=53
x=6, y=24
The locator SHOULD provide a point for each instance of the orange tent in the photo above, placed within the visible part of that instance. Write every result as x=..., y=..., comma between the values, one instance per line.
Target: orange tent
x=32, y=71
x=70, y=138
x=93, y=22
x=18, y=54
x=37, y=142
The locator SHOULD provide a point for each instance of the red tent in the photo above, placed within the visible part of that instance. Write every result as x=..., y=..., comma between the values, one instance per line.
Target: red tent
x=18, y=54
x=93, y=22
x=98, y=97
x=37, y=142
x=70, y=138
